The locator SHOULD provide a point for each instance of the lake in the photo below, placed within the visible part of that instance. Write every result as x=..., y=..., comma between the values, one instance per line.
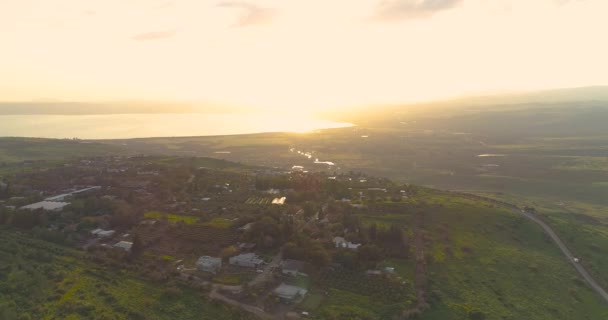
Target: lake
x=120, y=126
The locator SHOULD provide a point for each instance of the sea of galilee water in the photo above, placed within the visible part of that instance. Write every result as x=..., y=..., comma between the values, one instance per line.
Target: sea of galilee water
x=123, y=126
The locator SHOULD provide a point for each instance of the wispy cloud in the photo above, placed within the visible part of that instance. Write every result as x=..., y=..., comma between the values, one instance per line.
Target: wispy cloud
x=154, y=35
x=252, y=14
x=388, y=10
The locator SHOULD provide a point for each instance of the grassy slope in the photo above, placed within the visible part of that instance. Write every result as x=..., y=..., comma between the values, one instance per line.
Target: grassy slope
x=47, y=281
x=513, y=271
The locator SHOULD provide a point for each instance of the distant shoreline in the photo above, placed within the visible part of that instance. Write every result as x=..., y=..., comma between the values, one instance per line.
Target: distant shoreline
x=173, y=125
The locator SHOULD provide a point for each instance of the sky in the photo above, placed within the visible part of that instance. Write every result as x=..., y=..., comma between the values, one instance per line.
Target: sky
x=296, y=54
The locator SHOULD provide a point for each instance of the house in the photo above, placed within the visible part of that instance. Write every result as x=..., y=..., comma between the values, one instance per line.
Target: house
x=246, y=227
x=46, y=205
x=100, y=233
x=340, y=242
x=279, y=201
x=209, y=264
x=290, y=293
x=249, y=260
x=125, y=245
x=373, y=273
x=293, y=268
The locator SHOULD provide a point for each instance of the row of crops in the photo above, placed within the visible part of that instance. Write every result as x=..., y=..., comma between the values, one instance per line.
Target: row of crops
x=258, y=201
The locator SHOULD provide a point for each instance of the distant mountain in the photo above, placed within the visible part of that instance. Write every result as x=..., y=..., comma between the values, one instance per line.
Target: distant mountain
x=85, y=108
x=588, y=94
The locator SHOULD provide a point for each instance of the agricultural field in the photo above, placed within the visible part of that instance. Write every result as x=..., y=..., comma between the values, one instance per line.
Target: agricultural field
x=173, y=218
x=378, y=287
x=258, y=201
x=40, y=280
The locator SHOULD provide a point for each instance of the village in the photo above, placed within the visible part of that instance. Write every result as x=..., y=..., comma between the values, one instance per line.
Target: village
x=271, y=242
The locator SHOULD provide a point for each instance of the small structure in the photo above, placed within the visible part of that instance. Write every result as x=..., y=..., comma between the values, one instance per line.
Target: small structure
x=246, y=227
x=340, y=242
x=373, y=273
x=293, y=268
x=209, y=264
x=249, y=260
x=279, y=201
x=289, y=293
x=46, y=205
x=100, y=233
x=125, y=245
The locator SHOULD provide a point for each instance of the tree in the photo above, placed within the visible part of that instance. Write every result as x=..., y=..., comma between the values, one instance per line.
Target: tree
x=477, y=315
x=229, y=252
x=369, y=255
x=137, y=248
x=319, y=258
x=373, y=232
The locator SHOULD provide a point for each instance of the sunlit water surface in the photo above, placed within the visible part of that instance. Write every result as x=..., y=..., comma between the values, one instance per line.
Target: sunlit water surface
x=117, y=126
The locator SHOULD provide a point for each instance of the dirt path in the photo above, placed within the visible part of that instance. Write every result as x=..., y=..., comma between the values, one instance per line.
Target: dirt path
x=260, y=313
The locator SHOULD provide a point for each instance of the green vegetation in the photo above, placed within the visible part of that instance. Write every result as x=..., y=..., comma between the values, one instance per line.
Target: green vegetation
x=40, y=280
x=218, y=223
x=173, y=218
x=491, y=260
x=31, y=149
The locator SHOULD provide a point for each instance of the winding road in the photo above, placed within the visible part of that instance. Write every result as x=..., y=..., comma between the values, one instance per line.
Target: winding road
x=581, y=270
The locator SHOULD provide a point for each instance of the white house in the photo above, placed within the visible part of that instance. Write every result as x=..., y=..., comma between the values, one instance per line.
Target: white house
x=340, y=242
x=100, y=233
x=249, y=260
x=125, y=245
x=290, y=293
x=209, y=264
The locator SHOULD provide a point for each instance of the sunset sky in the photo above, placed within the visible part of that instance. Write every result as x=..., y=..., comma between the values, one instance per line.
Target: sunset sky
x=296, y=53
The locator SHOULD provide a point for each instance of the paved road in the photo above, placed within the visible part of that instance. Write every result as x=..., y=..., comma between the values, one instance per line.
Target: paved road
x=594, y=285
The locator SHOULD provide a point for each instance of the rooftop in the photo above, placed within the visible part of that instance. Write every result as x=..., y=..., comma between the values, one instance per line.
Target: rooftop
x=46, y=205
x=290, y=292
x=125, y=245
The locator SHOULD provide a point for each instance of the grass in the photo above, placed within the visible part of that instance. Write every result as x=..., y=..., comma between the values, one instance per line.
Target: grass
x=311, y=302
x=191, y=220
x=173, y=218
x=228, y=279
x=45, y=281
x=509, y=270
x=218, y=223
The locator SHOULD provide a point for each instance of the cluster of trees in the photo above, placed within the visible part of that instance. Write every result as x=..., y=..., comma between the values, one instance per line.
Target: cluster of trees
x=306, y=249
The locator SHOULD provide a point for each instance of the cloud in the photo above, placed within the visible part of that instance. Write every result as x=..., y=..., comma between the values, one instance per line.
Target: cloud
x=252, y=14
x=154, y=35
x=89, y=12
x=388, y=10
